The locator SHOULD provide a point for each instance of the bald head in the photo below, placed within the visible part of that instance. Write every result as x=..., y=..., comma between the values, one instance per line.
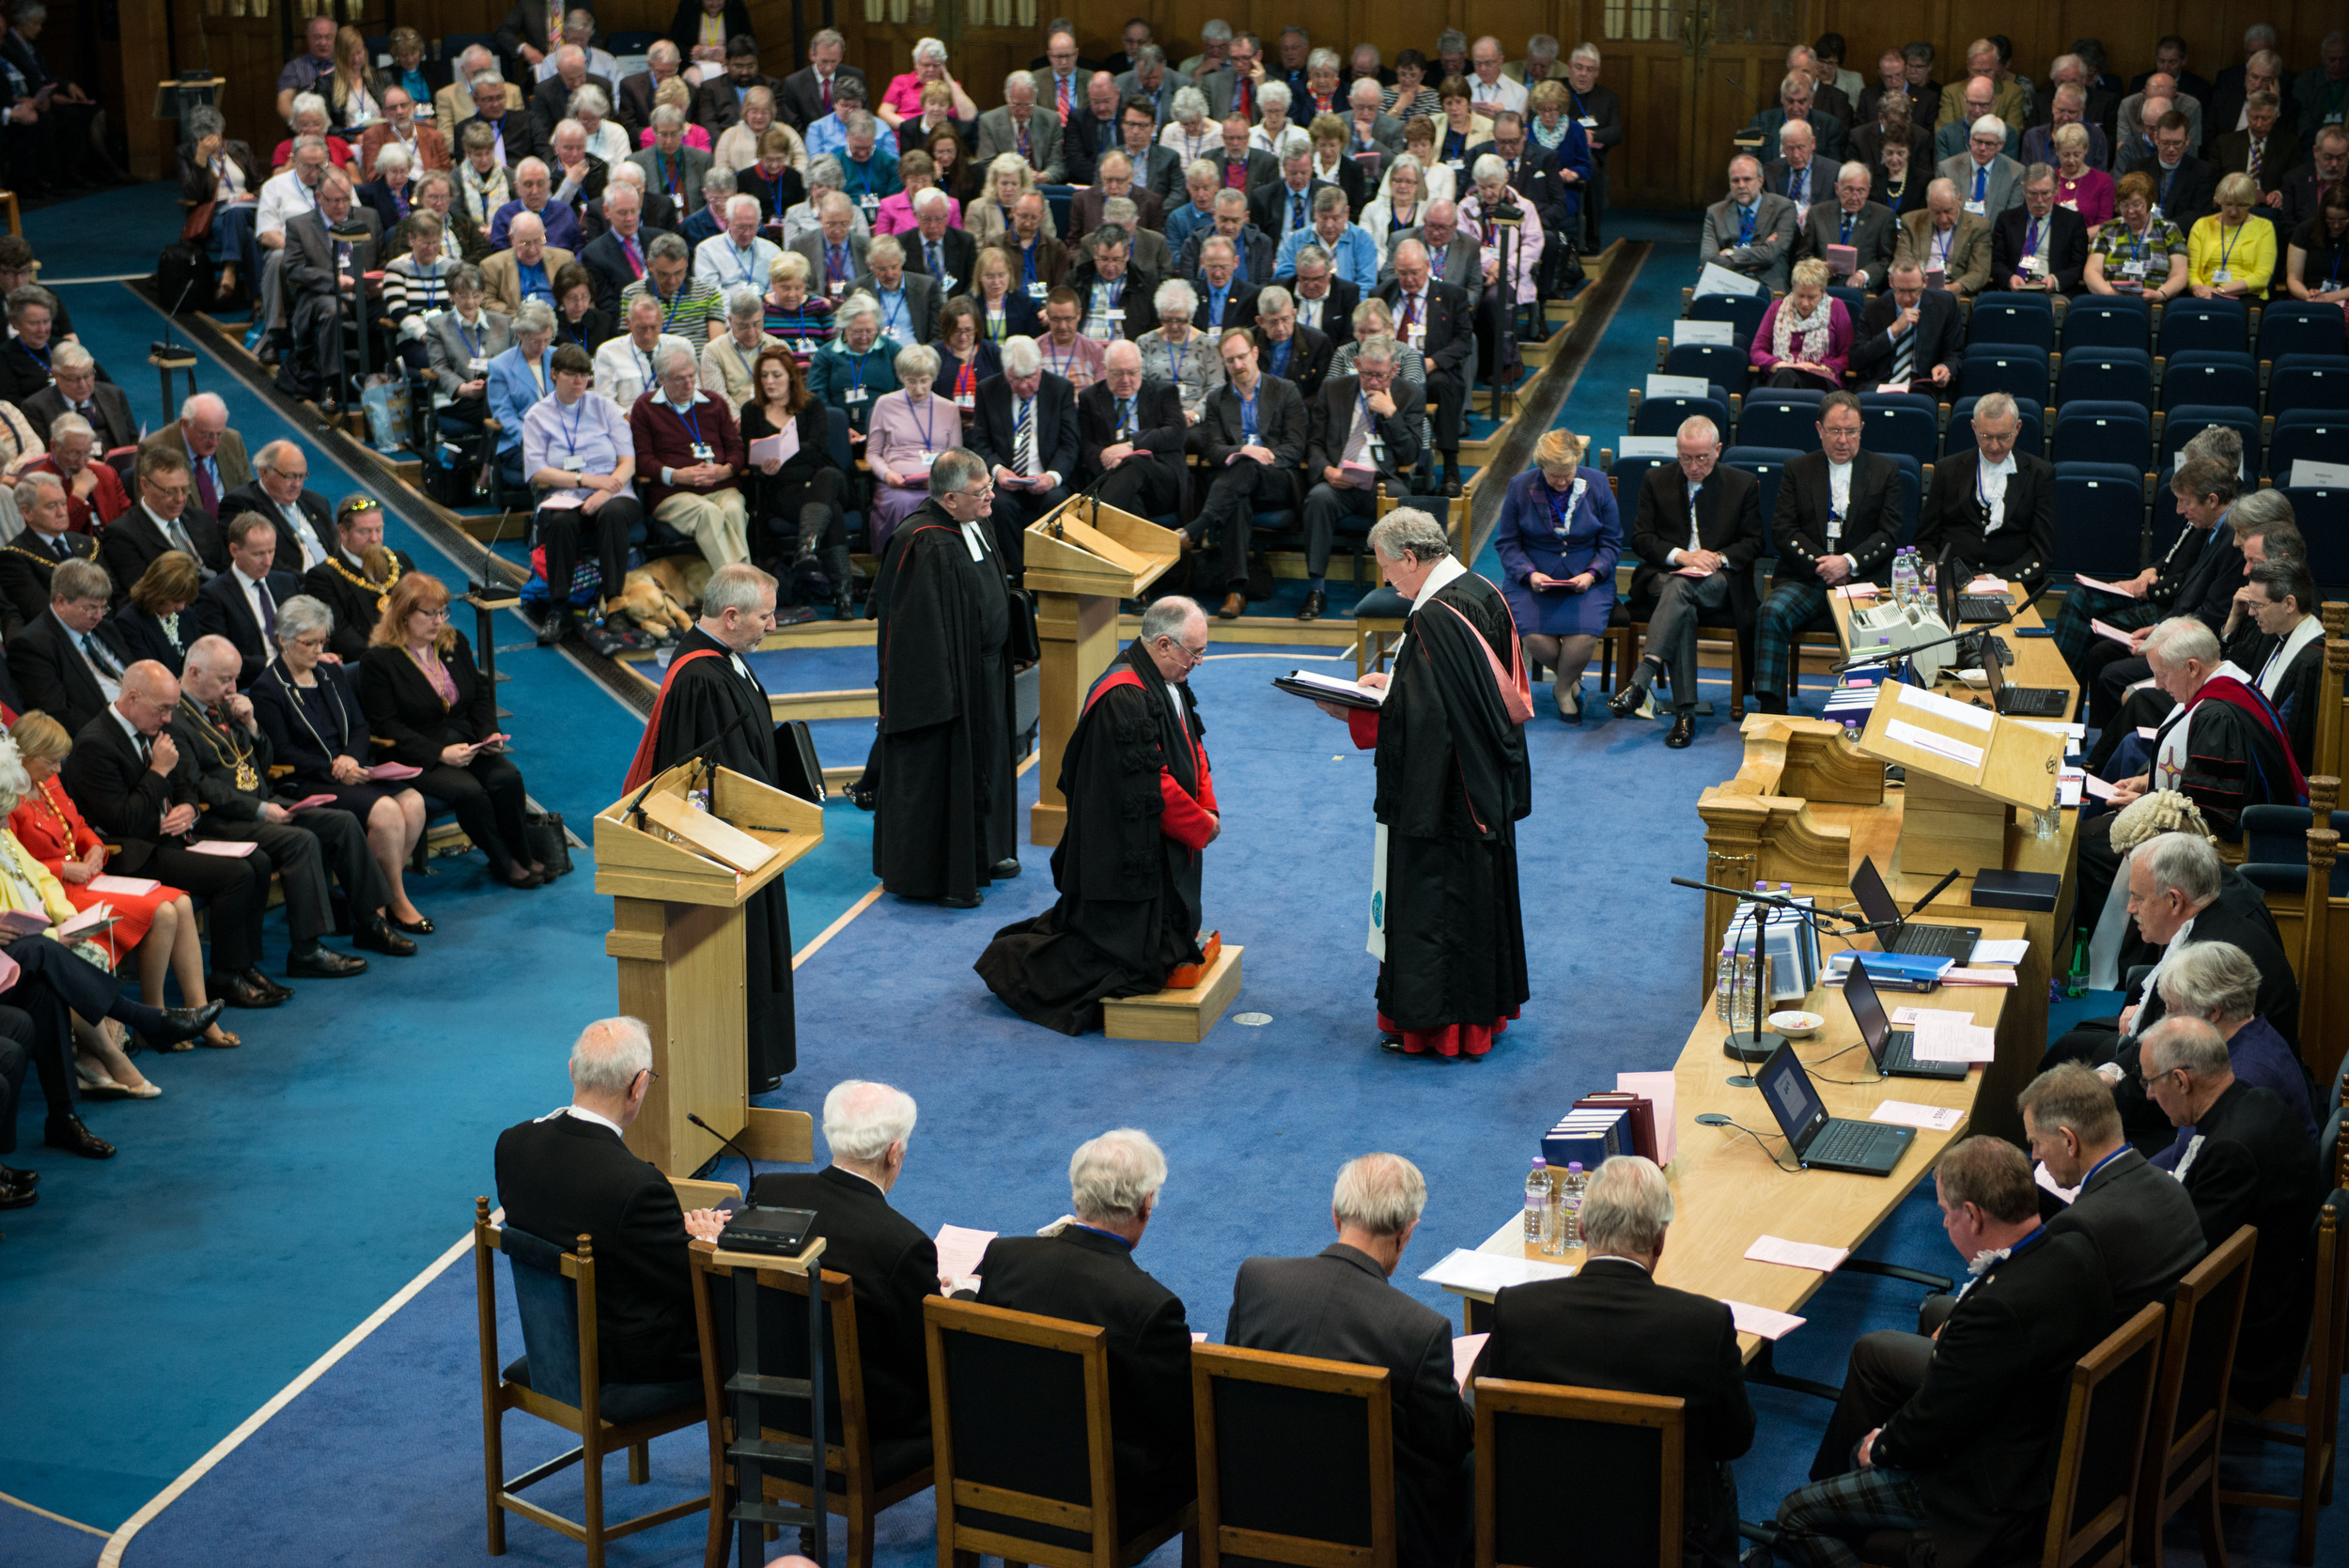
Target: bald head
x=149, y=693
x=212, y=669
x=1124, y=354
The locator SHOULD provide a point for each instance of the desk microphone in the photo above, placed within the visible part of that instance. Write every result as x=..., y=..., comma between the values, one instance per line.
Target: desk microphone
x=756, y=1227
x=728, y=1141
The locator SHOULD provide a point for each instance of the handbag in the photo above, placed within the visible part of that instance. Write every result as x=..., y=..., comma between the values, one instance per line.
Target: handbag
x=199, y=222
x=550, y=846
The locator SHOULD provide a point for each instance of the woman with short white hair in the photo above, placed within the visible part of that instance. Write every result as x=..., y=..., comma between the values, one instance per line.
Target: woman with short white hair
x=911, y=428
x=1176, y=352
x=1274, y=132
x=607, y=139
x=1188, y=130
x=855, y=368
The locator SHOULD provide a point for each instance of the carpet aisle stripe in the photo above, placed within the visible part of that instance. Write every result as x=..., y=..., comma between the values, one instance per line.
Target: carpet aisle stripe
x=55, y=1518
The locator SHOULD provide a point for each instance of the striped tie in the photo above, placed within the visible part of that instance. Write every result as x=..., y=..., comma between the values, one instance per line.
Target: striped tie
x=1063, y=91
x=1024, y=440
x=1905, y=355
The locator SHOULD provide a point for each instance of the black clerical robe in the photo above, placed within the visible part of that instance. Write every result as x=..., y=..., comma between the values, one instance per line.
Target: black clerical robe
x=1453, y=783
x=1140, y=813
x=947, y=806
x=708, y=696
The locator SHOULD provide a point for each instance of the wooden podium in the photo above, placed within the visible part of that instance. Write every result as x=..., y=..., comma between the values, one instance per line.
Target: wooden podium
x=1966, y=768
x=1083, y=558
x=676, y=932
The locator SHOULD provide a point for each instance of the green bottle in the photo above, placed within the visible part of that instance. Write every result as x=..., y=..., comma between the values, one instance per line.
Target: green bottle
x=2075, y=985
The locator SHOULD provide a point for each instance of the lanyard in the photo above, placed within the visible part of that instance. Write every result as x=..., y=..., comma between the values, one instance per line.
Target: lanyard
x=38, y=356
x=570, y=429
x=1062, y=365
x=475, y=342
x=668, y=307
x=692, y=422
x=890, y=311
x=650, y=380
x=927, y=416
x=1175, y=354
x=856, y=370
x=2226, y=247
x=743, y=257
x=1027, y=263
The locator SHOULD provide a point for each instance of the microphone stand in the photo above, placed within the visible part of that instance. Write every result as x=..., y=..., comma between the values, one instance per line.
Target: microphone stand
x=634, y=811
x=1754, y=1045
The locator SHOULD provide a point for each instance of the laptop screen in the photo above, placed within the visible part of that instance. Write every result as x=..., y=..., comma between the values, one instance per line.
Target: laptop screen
x=1867, y=1009
x=1792, y=1100
x=1946, y=573
x=1993, y=670
x=1875, y=902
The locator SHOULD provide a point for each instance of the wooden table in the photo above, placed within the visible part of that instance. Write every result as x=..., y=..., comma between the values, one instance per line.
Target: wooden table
x=1727, y=1191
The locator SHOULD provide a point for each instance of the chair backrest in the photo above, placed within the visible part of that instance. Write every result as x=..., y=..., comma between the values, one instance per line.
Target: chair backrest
x=1663, y=416
x=2029, y=437
x=554, y=1293
x=1720, y=363
x=1019, y=1432
x=1625, y=1454
x=1295, y=1459
x=1912, y=495
x=783, y=1351
x=2211, y=376
x=2093, y=1513
x=2118, y=374
x=2197, y=1359
x=2187, y=420
x=2320, y=434
x=2294, y=327
x=1629, y=475
x=2014, y=369
x=1769, y=419
x=2012, y=319
x=1765, y=463
x=2190, y=324
x=2103, y=432
x=1902, y=425
x=2323, y=518
x=1743, y=311
x=2100, y=519
x=836, y=444
x=2108, y=321
x=2308, y=381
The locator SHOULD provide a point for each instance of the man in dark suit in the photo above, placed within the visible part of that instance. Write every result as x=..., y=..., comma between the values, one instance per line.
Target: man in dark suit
x=242, y=603
x=1108, y=283
x=1287, y=350
x=1360, y=438
x=322, y=270
x=2185, y=186
x=570, y=1174
x=1457, y=258
x=2039, y=245
x=1613, y=1326
x=550, y=101
x=516, y=134
x=162, y=520
x=1339, y=1306
x=1539, y=175
x=66, y=661
x=1251, y=249
x=2252, y=1163
x=2264, y=148
x=1968, y=1457
x=1026, y=430
x=2225, y=111
x=1281, y=207
x=29, y=561
x=2328, y=165
x=1909, y=335
x=632, y=95
x=1325, y=302
x=1086, y=1273
x=719, y=104
x=1993, y=507
x=1696, y=517
x=1838, y=521
x=1223, y=299
x=1435, y=318
x=891, y=1263
x=671, y=167
x=1256, y=431
x=806, y=95
x=280, y=492
x=1242, y=167
x=1799, y=173
x=1851, y=219
x=1130, y=436
x=1092, y=133
x=909, y=301
x=1116, y=179
x=938, y=249
x=76, y=389
x=609, y=259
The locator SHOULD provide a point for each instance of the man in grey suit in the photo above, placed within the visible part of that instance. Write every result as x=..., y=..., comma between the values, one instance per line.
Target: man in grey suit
x=1019, y=127
x=1153, y=81
x=1339, y=1306
x=1752, y=231
x=1851, y=219
x=833, y=252
x=670, y=167
x=908, y=300
x=1988, y=180
x=1243, y=59
x=1459, y=260
x=1370, y=127
x=321, y=270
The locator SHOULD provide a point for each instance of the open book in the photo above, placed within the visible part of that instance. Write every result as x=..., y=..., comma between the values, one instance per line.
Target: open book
x=1330, y=689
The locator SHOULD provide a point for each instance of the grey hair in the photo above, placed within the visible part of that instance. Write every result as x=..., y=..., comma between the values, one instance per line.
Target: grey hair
x=79, y=580
x=1378, y=348
x=28, y=489
x=1108, y=235
x=1021, y=357
x=2181, y=638
x=1190, y=103
x=930, y=48
x=1383, y=1194
x=667, y=117
x=15, y=783
x=1166, y=617
x=1798, y=129
x=742, y=302
x=1491, y=166
x=1995, y=405
x=1451, y=41
x=1989, y=125
x=1127, y=214
x=1627, y=1206
x=301, y=617
x=1237, y=197
x=833, y=199
x=1315, y=254
x=591, y=99
x=203, y=120
x=2189, y=1043
x=1198, y=169
x=1589, y=52
x=72, y=356
x=854, y=306
x=738, y=587
x=918, y=359
x=467, y=279
x=1854, y=166
x=1331, y=199
x=534, y=317
x=863, y=1121
x=1355, y=92
x=1323, y=59
x=884, y=247
x=310, y=103
x=1698, y=424
x=2183, y=863
x=1271, y=297
x=1406, y=530
x=737, y=200
x=717, y=178
x=2210, y=977
x=673, y=353
x=860, y=122
x=1216, y=30
x=957, y=470
x=1277, y=93
x=394, y=157
x=667, y=247
x=67, y=425
x=2038, y=172
x=1541, y=46
x=1175, y=295
x=608, y=1055
x=481, y=81
x=1115, y=1176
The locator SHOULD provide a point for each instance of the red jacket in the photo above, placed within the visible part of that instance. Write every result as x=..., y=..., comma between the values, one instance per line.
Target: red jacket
x=664, y=441
x=106, y=503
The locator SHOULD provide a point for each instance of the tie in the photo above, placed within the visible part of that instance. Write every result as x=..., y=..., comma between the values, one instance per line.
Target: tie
x=635, y=257
x=1802, y=192
x=835, y=262
x=1411, y=313
x=1982, y=183
x=147, y=748
x=2031, y=240
x=1745, y=226
x=206, y=491
x=1062, y=90
x=267, y=607
x=1022, y=144
x=2254, y=170
x=1125, y=416
x=937, y=262
x=1248, y=98
x=101, y=660
x=1024, y=440
x=824, y=86
x=1904, y=355
x=1296, y=210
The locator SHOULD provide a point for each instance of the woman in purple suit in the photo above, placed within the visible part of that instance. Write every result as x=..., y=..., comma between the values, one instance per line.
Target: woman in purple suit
x=1558, y=540
x=1804, y=341
x=911, y=428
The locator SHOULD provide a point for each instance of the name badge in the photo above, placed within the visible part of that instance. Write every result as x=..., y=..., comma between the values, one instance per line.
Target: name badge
x=702, y=453
x=1037, y=290
x=1113, y=314
x=1419, y=335
x=1377, y=453
x=2034, y=265
x=477, y=364
x=946, y=283
x=1587, y=123
x=967, y=401
x=870, y=201
x=1834, y=527
x=574, y=464
x=1978, y=209
x=2133, y=269
x=2224, y=276
x=860, y=394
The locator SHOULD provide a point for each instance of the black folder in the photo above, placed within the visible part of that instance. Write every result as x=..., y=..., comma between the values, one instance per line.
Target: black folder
x=798, y=773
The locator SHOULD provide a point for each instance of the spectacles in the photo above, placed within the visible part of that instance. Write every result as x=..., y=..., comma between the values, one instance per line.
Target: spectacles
x=439, y=614
x=2149, y=1082
x=1195, y=655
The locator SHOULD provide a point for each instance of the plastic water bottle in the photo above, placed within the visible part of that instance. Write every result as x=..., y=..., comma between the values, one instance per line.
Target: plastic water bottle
x=1904, y=578
x=1570, y=1190
x=1536, y=1202
x=1724, y=976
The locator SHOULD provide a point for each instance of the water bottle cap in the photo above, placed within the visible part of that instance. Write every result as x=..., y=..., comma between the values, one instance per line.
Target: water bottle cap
x=1572, y=1166
x=1539, y=1161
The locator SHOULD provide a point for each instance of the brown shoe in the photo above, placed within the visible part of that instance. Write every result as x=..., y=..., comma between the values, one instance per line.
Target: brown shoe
x=1235, y=605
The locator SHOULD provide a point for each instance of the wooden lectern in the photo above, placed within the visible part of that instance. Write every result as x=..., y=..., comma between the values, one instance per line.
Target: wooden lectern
x=676, y=931
x=1083, y=558
x=1967, y=769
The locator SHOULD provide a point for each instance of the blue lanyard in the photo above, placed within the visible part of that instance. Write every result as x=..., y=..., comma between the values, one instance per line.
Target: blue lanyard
x=1027, y=264
x=2227, y=247
x=925, y=411
x=474, y=343
x=1174, y=356
x=37, y=357
x=856, y=370
x=889, y=312
x=668, y=307
x=863, y=176
x=570, y=429
x=744, y=258
x=692, y=422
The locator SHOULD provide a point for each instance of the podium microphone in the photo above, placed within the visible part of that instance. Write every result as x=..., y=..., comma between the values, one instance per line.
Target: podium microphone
x=729, y=1144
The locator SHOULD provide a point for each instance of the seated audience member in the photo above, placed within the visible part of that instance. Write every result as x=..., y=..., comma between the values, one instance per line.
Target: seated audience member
x=806, y=217
x=835, y=252
x=1256, y=429
x=1853, y=221
x=1326, y=302
x=2185, y=186
x=966, y=358
x=428, y=707
x=1026, y=432
x=891, y=1263
x=2251, y=1163
x=1968, y=1457
x=94, y=495
x=797, y=500
x=855, y=368
x=67, y=661
x=719, y=104
x=2140, y=251
x=27, y=561
x=1287, y=350
x=1374, y=318
x=217, y=168
x=286, y=195
x=1359, y=438
x=319, y=742
x=1910, y=337
x=1752, y=231
x=750, y=143
x=165, y=519
x=1117, y=296
x=936, y=244
x=452, y=100
x=2283, y=599
x=2303, y=193
x=625, y=365
x=2198, y=576
x=1117, y=179
x=1353, y=254
x=911, y=427
x=578, y=457
x=156, y=623
x=725, y=365
x=671, y=166
x=909, y=301
x=794, y=313
x=463, y=239
x=355, y=581
x=459, y=343
x=1132, y=431
x=2067, y=106
x=523, y=274
x=570, y=1174
x=1085, y=1272
x=1558, y=540
x=616, y=258
x=518, y=380
x=241, y=604
x=2220, y=983
x=1176, y=352
x=1697, y=515
x=311, y=117
x=76, y=389
x=1982, y=165
x=1950, y=244
x=1017, y=129
x=422, y=144
x=1613, y=1327
x=868, y=169
x=579, y=323
x=1804, y=341
x=689, y=453
x=391, y=194
x=2314, y=269
x=2081, y=185
x=26, y=365
x=514, y=135
x=1894, y=125
x=1993, y=507
x=688, y=306
x=416, y=287
x=1435, y=318
x=2141, y=1224
x=1795, y=173
x=2228, y=255
x=1247, y=263
x=2038, y=246
x=740, y=257
x=1340, y=1306
x=322, y=271
x=1839, y=520
x=280, y=492
x=1900, y=185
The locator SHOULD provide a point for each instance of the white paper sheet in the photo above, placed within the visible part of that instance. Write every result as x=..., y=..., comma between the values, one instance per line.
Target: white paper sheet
x=1961, y=976
x=1717, y=279
x=959, y=1249
x=231, y=850
x=1660, y=385
x=1908, y=1114
x=1797, y=1254
x=1931, y=740
x=2039, y=1175
x=2309, y=474
x=1944, y=1041
x=783, y=445
x=1913, y=1018
x=2095, y=788
x=1946, y=707
x=1704, y=332
x=1988, y=951
x=1351, y=689
x=124, y=887
x=1764, y=1322
x=1648, y=446
x=2098, y=584
x=1487, y=1272
x=85, y=920
x=2068, y=787
x=1660, y=1091
x=1465, y=1348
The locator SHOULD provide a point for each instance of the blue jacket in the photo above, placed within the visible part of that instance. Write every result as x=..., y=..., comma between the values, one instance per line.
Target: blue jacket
x=512, y=393
x=1354, y=258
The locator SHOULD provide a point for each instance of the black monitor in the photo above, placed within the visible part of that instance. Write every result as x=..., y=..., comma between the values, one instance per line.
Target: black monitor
x=1867, y=1010
x=1797, y=1105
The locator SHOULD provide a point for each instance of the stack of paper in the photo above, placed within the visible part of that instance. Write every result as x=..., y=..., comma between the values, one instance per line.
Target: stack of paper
x=1970, y=977
x=1484, y=1273
x=959, y=1249
x=1797, y=1254
x=1908, y=1114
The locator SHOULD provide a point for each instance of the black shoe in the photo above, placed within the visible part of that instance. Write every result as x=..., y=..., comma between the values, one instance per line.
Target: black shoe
x=17, y=1197
x=237, y=991
x=267, y=986
x=67, y=1133
x=1625, y=703
x=420, y=926
x=1391, y=1043
x=551, y=630
x=1316, y=602
x=1769, y=702
x=1684, y=730
x=325, y=964
x=1451, y=484
x=23, y=1181
x=957, y=903
x=1005, y=869
x=377, y=936
x=186, y=1023
x=844, y=606
x=861, y=795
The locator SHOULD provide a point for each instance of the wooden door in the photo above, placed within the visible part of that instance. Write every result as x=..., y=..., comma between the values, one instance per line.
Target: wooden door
x=1691, y=74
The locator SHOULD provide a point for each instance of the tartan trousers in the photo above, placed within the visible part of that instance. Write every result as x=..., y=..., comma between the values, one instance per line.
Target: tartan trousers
x=2073, y=637
x=1824, y=1524
x=1792, y=609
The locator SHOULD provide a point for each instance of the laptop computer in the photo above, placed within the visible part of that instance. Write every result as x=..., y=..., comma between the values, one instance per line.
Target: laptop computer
x=1820, y=1142
x=2023, y=701
x=1958, y=606
x=1895, y=934
x=1894, y=1049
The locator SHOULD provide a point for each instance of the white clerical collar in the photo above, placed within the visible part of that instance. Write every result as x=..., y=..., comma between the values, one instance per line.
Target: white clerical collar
x=581, y=1113
x=1438, y=576
x=2004, y=465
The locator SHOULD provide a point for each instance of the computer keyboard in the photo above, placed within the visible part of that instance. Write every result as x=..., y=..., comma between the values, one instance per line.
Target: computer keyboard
x=1842, y=1140
x=1935, y=941
x=1983, y=607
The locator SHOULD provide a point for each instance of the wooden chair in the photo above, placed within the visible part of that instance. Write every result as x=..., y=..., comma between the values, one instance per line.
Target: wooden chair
x=862, y=1477
x=1377, y=636
x=2190, y=1399
x=1625, y=1454
x=557, y=1381
x=2092, y=1519
x=1020, y=1434
x=1295, y=1459
x=2316, y=1414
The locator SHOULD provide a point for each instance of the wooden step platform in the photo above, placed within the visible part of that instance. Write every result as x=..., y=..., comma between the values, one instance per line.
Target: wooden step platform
x=1177, y=1017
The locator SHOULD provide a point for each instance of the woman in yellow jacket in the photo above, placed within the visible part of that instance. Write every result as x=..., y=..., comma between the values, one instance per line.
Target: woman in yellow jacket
x=2230, y=254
